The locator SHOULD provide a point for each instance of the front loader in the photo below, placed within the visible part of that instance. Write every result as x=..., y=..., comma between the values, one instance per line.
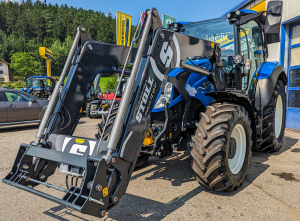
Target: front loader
x=229, y=112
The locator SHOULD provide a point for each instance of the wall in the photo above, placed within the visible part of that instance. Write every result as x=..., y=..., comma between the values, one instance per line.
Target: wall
x=291, y=9
x=5, y=70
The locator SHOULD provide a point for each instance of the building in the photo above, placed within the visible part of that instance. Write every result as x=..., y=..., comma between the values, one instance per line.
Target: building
x=4, y=71
x=287, y=52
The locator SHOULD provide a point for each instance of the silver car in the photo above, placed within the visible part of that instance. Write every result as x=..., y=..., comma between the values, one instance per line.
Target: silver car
x=17, y=107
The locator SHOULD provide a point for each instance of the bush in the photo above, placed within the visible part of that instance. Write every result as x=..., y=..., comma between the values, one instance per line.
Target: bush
x=110, y=82
x=16, y=85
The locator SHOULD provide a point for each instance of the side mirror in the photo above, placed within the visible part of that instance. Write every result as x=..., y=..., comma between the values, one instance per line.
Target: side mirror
x=273, y=21
x=33, y=100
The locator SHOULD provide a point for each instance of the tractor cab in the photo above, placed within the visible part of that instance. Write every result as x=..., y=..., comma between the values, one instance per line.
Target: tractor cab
x=40, y=86
x=243, y=38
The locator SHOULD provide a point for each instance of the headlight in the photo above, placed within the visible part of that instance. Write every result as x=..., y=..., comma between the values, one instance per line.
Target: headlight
x=238, y=59
x=163, y=99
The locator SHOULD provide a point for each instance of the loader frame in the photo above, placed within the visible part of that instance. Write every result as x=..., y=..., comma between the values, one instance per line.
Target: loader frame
x=98, y=193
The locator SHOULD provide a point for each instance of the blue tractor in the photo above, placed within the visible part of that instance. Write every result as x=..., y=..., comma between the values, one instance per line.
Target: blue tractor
x=204, y=86
x=209, y=112
x=39, y=86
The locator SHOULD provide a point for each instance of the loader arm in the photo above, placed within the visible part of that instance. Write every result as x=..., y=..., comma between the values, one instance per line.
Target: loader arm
x=105, y=168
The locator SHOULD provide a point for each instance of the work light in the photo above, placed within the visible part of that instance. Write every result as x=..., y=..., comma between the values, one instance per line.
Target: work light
x=238, y=59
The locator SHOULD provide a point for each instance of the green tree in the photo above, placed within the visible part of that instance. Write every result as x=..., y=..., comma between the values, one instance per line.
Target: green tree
x=23, y=64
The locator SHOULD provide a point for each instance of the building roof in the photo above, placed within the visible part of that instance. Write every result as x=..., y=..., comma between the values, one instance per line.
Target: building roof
x=238, y=6
x=4, y=61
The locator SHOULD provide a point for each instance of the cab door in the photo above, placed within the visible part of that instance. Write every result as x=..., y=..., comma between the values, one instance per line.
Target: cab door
x=3, y=108
x=20, y=107
x=251, y=41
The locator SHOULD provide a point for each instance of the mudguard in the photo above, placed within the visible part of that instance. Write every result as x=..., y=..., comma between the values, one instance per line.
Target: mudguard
x=267, y=78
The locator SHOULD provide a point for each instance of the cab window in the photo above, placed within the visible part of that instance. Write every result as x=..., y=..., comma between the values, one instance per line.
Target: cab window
x=251, y=49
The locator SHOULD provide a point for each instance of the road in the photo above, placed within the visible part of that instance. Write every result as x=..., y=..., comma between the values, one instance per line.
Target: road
x=166, y=189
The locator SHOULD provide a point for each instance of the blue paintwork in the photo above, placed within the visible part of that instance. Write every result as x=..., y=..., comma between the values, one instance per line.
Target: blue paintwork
x=259, y=52
x=194, y=85
x=247, y=11
x=267, y=69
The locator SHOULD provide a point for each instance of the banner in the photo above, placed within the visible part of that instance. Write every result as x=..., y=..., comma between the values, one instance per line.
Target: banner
x=123, y=25
x=167, y=19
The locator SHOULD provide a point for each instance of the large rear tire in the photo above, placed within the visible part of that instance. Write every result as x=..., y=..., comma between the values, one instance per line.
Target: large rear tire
x=274, y=120
x=222, y=147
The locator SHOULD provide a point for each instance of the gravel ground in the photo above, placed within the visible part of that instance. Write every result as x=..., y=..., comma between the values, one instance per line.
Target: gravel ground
x=166, y=189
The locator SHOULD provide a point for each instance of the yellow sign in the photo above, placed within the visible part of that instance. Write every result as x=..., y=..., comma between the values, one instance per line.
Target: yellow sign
x=124, y=22
x=48, y=55
x=105, y=192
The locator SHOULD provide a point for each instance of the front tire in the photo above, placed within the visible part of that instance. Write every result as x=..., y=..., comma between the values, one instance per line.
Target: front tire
x=222, y=147
x=274, y=121
x=105, y=133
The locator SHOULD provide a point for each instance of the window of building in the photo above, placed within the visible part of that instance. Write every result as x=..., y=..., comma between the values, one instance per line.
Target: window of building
x=1, y=72
x=1, y=64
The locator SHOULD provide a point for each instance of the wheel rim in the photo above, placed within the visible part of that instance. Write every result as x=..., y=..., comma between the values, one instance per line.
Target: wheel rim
x=278, y=116
x=236, y=163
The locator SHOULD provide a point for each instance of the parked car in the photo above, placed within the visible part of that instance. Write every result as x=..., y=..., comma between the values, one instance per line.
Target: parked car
x=18, y=107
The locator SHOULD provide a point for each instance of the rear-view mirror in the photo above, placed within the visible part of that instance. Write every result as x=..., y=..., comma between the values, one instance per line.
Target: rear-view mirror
x=273, y=21
x=33, y=100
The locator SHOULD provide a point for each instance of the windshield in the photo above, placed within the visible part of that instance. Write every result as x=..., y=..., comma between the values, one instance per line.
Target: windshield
x=37, y=83
x=28, y=82
x=218, y=31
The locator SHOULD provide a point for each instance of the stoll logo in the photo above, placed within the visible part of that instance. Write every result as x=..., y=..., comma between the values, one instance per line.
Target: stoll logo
x=166, y=56
x=144, y=100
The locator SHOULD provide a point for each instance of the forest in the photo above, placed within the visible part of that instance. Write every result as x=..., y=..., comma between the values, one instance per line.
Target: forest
x=26, y=25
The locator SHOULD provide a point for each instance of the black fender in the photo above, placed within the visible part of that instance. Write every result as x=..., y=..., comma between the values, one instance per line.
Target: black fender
x=240, y=99
x=265, y=87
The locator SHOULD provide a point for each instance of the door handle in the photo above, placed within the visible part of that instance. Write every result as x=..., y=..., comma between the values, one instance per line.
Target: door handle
x=11, y=105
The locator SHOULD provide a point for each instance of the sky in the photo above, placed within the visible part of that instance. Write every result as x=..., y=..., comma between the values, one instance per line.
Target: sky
x=188, y=11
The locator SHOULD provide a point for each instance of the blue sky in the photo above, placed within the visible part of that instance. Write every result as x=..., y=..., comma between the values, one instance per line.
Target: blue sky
x=192, y=10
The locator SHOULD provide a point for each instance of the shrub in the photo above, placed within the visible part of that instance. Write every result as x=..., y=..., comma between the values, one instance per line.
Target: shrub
x=110, y=83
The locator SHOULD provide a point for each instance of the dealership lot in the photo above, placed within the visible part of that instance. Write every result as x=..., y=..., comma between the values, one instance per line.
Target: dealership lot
x=166, y=189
